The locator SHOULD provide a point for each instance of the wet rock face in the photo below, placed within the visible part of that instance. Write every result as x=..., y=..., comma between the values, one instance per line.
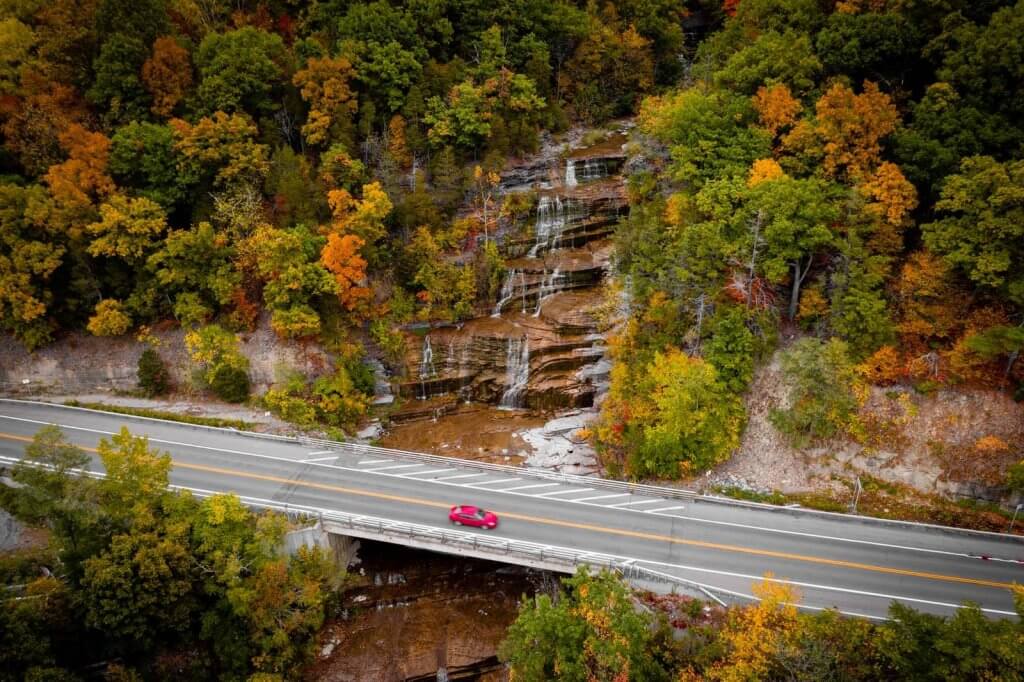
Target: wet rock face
x=539, y=346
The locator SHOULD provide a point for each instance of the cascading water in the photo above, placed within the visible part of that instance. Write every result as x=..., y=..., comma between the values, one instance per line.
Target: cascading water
x=570, y=173
x=427, y=369
x=449, y=360
x=593, y=169
x=551, y=283
x=522, y=288
x=508, y=292
x=553, y=215
x=517, y=373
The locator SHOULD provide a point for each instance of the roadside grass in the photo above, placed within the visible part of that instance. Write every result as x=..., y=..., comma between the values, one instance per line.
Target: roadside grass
x=886, y=500
x=165, y=415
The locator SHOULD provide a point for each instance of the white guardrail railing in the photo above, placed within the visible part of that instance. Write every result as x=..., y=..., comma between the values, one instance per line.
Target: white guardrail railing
x=567, y=479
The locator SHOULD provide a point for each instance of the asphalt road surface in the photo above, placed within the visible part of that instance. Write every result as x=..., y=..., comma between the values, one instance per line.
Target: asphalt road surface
x=848, y=563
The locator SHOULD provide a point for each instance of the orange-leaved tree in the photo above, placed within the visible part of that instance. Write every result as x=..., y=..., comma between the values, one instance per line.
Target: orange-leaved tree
x=776, y=107
x=324, y=84
x=82, y=179
x=757, y=635
x=852, y=128
x=341, y=257
x=167, y=75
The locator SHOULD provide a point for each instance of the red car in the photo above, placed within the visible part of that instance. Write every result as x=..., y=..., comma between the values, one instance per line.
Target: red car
x=468, y=515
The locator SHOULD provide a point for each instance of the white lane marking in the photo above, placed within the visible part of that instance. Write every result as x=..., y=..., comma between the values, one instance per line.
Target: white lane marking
x=527, y=487
x=322, y=459
x=478, y=486
x=452, y=478
x=833, y=538
x=375, y=461
x=663, y=509
x=600, y=497
x=619, y=505
x=629, y=560
x=565, y=492
x=813, y=586
x=393, y=466
x=424, y=473
x=322, y=452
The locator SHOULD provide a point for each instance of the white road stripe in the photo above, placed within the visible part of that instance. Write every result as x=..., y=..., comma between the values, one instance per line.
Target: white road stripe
x=452, y=478
x=566, y=492
x=526, y=487
x=663, y=509
x=632, y=504
x=375, y=461
x=502, y=480
x=322, y=459
x=393, y=466
x=601, y=497
x=321, y=452
x=813, y=586
x=424, y=473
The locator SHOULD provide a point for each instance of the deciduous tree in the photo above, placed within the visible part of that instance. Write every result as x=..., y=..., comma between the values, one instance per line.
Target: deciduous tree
x=980, y=228
x=239, y=70
x=127, y=228
x=167, y=75
x=852, y=127
x=324, y=85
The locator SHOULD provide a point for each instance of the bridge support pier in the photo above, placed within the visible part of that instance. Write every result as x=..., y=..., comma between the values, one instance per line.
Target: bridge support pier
x=342, y=548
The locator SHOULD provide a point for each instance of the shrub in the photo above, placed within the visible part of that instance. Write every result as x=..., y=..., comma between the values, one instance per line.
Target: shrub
x=731, y=349
x=1015, y=477
x=823, y=384
x=153, y=377
x=884, y=368
x=221, y=367
x=109, y=319
x=229, y=383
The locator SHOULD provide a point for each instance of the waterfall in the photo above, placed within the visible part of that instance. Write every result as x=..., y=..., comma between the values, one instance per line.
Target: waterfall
x=450, y=361
x=549, y=285
x=508, y=291
x=570, y=173
x=426, y=366
x=553, y=215
x=517, y=373
x=522, y=288
x=594, y=169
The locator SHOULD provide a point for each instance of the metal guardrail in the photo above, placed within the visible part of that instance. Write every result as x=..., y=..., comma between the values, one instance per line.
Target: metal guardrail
x=568, y=479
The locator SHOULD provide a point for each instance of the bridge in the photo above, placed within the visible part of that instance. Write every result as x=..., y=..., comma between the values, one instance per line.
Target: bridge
x=656, y=536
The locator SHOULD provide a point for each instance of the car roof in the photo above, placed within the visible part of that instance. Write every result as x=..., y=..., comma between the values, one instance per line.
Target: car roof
x=469, y=508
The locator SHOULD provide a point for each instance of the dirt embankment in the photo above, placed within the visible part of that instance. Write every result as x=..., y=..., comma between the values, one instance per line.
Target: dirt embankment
x=955, y=443
x=81, y=363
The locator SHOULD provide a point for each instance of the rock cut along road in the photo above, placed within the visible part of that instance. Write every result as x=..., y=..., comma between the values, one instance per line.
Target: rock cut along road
x=856, y=565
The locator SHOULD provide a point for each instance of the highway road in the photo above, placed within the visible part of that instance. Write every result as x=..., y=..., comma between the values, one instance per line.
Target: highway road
x=858, y=566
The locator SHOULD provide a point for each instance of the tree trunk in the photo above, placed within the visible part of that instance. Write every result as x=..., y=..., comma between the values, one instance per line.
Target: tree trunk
x=794, y=297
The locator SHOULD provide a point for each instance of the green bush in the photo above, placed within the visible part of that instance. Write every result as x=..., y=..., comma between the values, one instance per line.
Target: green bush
x=1015, y=477
x=152, y=373
x=229, y=383
x=823, y=382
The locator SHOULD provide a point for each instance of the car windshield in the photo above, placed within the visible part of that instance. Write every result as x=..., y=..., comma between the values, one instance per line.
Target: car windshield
x=477, y=514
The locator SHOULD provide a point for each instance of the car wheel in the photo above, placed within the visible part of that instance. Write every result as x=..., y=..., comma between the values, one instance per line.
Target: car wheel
x=457, y=523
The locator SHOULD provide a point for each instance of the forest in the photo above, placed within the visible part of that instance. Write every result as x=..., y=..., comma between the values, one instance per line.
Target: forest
x=839, y=179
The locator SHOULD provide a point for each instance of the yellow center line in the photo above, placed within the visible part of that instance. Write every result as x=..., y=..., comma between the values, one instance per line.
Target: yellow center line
x=581, y=526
